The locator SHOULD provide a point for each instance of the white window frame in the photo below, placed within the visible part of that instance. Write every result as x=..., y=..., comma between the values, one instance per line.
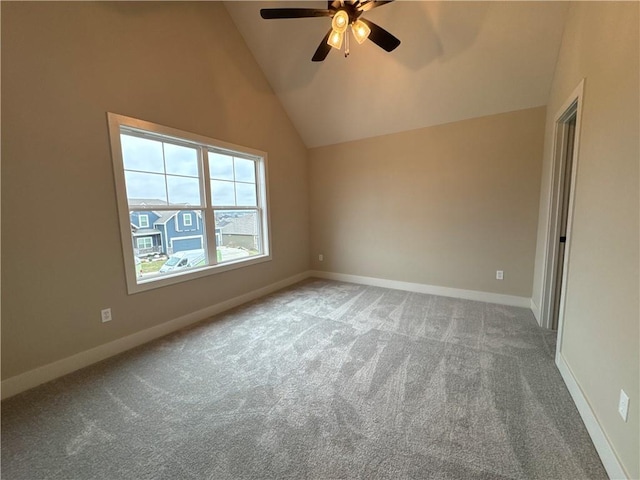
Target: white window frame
x=145, y=240
x=186, y=216
x=146, y=219
x=119, y=124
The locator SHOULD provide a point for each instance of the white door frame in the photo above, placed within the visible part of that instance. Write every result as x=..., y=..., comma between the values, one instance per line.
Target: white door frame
x=572, y=105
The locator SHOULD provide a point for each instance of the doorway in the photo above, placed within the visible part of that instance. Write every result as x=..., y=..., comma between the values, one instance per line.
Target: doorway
x=564, y=165
x=564, y=195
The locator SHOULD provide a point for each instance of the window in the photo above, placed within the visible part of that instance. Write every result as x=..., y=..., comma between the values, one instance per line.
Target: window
x=172, y=176
x=144, y=242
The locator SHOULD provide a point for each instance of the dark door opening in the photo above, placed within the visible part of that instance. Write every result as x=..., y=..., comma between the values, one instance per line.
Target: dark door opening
x=565, y=195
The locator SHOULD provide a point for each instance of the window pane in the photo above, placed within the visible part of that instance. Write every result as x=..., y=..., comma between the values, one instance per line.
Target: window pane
x=222, y=193
x=220, y=166
x=183, y=190
x=162, y=252
x=145, y=243
x=145, y=186
x=246, y=194
x=141, y=154
x=245, y=170
x=181, y=160
x=237, y=234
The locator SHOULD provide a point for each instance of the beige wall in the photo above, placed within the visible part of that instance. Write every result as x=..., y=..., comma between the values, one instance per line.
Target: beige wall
x=64, y=65
x=600, y=336
x=446, y=205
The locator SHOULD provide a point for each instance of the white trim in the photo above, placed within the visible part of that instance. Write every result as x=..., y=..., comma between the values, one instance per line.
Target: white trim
x=578, y=97
x=191, y=274
x=551, y=246
x=19, y=383
x=612, y=465
x=122, y=202
x=535, y=310
x=162, y=133
x=486, y=297
x=208, y=216
x=186, y=215
x=145, y=239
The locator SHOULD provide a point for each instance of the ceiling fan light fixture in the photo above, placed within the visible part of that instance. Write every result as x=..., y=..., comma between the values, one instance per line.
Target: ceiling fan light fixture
x=340, y=21
x=343, y=13
x=360, y=31
x=335, y=39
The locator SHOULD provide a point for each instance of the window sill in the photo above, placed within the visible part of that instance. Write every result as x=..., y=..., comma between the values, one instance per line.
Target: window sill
x=138, y=285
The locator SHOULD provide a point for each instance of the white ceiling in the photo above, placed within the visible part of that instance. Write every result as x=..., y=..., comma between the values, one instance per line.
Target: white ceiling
x=457, y=60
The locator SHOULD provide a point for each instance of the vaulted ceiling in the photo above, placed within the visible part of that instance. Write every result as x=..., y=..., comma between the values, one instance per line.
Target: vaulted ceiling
x=457, y=60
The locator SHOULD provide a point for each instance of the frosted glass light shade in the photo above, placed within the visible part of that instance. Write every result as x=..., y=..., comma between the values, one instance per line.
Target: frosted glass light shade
x=360, y=31
x=340, y=21
x=335, y=39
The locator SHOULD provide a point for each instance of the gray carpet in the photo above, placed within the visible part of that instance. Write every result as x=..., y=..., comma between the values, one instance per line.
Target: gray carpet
x=322, y=380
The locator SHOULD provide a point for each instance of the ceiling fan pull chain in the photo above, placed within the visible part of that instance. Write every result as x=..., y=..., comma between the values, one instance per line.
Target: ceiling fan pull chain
x=346, y=44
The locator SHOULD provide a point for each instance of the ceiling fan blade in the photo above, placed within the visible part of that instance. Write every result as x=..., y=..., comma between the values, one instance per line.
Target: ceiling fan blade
x=323, y=49
x=381, y=37
x=271, y=13
x=368, y=5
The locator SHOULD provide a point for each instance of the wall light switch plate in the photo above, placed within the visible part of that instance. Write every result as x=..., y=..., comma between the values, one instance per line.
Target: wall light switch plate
x=623, y=405
x=499, y=274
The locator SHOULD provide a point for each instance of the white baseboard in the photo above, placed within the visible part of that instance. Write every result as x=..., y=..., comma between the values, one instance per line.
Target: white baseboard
x=486, y=297
x=37, y=376
x=536, y=311
x=609, y=459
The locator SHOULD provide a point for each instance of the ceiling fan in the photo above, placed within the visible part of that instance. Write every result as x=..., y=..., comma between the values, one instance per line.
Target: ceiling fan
x=343, y=13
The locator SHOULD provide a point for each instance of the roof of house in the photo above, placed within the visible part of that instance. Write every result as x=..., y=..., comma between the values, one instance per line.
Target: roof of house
x=163, y=215
x=244, y=225
x=146, y=201
x=141, y=232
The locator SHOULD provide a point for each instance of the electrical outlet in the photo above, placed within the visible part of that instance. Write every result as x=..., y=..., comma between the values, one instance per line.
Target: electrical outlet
x=499, y=274
x=321, y=257
x=623, y=405
x=106, y=315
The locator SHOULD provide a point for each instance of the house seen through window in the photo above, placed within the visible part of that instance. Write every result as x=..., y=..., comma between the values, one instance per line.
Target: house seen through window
x=189, y=205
